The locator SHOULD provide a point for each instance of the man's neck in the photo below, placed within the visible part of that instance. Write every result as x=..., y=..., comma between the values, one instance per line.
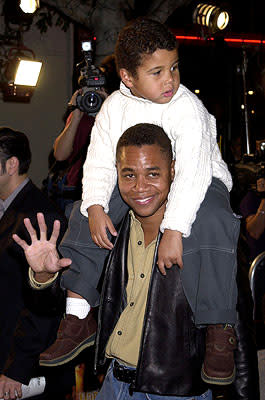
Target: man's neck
x=151, y=225
x=5, y=192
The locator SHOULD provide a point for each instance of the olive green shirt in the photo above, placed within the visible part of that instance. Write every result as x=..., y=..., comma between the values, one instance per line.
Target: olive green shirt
x=124, y=343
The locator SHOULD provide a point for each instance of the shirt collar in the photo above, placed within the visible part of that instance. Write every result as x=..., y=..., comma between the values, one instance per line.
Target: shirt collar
x=6, y=203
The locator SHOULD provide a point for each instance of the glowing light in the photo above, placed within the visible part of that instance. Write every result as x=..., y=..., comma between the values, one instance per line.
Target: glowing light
x=222, y=20
x=27, y=73
x=29, y=6
x=210, y=16
x=242, y=107
x=197, y=91
x=251, y=92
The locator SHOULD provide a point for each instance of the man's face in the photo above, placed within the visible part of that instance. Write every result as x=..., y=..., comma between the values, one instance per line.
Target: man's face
x=4, y=182
x=261, y=185
x=145, y=175
x=157, y=77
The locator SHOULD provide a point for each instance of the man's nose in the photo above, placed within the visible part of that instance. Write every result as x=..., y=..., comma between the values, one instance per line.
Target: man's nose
x=140, y=184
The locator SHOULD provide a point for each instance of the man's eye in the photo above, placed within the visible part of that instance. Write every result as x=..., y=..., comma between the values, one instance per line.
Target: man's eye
x=129, y=176
x=154, y=174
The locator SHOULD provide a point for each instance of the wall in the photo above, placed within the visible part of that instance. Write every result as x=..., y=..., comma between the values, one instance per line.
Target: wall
x=41, y=119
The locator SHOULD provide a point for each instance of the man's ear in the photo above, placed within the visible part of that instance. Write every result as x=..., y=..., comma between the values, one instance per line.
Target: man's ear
x=12, y=166
x=126, y=77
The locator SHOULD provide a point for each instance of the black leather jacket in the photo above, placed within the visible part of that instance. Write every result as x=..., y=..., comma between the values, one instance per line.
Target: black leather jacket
x=172, y=348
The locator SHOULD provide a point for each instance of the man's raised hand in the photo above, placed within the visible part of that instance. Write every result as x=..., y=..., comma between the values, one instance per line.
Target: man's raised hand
x=41, y=254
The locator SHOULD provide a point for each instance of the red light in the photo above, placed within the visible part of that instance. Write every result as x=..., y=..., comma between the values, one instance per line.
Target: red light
x=228, y=40
x=94, y=38
x=96, y=78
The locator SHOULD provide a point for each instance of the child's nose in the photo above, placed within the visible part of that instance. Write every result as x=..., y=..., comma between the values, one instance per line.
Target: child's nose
x=169, y=77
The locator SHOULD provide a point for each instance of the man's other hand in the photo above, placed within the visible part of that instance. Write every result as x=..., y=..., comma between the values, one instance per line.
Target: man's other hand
x=9, y=389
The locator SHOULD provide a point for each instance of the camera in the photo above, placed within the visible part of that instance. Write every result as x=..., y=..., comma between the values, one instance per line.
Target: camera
x=91, y=79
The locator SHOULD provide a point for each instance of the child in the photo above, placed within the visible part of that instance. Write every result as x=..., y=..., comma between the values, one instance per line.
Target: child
x=147, y=60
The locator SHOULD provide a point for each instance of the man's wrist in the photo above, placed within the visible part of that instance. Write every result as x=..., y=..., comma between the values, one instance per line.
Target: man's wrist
x=41, y=280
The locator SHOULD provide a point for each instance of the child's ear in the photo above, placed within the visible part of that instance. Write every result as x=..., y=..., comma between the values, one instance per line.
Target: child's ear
x=126, y=77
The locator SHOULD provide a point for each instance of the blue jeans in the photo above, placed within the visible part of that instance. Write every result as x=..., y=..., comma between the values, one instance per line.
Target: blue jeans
x=112, y=389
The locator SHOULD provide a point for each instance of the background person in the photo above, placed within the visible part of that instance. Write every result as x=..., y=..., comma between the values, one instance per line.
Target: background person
x=252, y=208
x=19, y=198
x=72, y=143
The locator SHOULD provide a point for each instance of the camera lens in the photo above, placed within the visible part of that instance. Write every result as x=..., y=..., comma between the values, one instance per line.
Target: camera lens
x=90, y=102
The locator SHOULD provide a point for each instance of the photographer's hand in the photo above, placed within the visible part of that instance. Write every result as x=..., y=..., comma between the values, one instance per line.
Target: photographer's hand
x=77, y=114
x=99, y=223
x=63, y=145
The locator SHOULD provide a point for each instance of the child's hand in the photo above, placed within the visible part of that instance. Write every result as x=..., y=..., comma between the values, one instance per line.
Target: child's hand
x=170, y=250
x=99, y=222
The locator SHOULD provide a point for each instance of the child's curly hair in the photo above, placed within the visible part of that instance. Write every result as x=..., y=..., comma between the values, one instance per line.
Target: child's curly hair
x=140, y=37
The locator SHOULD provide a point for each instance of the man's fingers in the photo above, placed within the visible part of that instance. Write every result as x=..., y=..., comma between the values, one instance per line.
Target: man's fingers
x=55, y=232
x=20, y=242
x=64, y=262
x=42, y=226
x=30, y=229
x=18, y=391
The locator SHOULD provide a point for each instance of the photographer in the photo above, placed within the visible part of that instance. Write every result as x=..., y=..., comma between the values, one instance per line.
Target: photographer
x=71, y=145
x=252, y=208
x=73, y=141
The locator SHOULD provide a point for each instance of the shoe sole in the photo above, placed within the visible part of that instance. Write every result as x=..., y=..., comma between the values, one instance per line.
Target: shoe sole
x=69, y=356
x=217, y=381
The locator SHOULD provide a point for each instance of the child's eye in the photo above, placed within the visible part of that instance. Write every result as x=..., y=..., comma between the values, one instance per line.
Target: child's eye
x=157, y=72
x=175, y=67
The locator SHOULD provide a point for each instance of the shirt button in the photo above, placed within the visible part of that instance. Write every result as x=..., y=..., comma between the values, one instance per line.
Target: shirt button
x=131, y=304
x=142, y=275
x=119, y=333
x=139, y=243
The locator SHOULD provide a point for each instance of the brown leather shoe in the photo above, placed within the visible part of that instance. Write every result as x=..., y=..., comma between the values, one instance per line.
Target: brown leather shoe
x=219, y=367
x=74, y=335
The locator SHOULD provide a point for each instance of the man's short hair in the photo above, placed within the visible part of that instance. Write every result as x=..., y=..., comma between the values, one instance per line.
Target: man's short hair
x=145, y=134
x=141, y=37
x=14, y=144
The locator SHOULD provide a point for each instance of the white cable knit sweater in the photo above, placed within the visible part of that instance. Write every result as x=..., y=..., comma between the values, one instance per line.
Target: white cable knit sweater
x=192, y=131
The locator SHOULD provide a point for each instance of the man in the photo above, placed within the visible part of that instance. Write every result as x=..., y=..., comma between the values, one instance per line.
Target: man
x=19, y=198
x=252, y=208
x=145, y=321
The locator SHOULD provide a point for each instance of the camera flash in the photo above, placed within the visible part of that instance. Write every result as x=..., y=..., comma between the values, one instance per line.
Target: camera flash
x=86, y=46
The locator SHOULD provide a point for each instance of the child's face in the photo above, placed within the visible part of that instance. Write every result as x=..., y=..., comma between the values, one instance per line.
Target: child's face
x=157, y=77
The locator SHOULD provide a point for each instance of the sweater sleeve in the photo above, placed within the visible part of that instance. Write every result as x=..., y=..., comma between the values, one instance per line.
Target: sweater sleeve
x=99, y=174
x=194, y=136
